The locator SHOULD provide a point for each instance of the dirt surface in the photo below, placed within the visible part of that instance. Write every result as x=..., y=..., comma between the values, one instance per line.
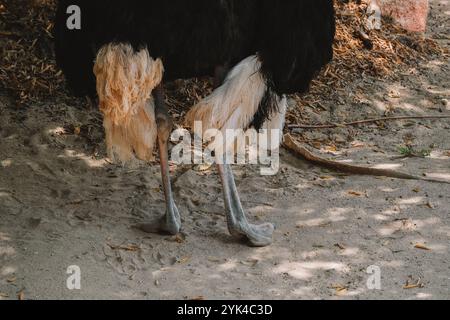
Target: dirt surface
x=62, y=204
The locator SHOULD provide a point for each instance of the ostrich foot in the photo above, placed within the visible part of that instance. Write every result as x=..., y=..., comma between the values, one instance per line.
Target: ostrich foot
x=256, y=235
x=168, y=224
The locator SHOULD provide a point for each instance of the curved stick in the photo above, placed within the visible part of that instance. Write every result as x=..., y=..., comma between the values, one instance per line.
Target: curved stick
x=296, y=148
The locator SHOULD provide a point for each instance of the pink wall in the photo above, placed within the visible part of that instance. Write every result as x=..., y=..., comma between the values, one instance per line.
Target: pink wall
x=410, y=14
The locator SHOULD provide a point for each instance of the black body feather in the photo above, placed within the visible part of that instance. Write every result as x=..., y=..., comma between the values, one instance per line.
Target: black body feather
x=293, y=38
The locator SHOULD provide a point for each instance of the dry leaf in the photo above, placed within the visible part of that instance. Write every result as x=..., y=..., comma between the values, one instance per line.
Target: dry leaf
x=199, y=298
x=429, y=205
x=179, y=238
x=416, y=190
x=77, y=131
x=21, y=296
x=342, y=292
x=340, y=246
x=355, y=193
x=410, y=285
x=130, y=247
x=203, y=167
x=358, y=144
x=422, y=247
x=11, y=280
x=340, y=289
x=183, y=260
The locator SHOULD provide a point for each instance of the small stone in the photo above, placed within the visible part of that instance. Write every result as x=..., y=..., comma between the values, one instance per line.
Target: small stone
x=6, y=163
x=339, y=138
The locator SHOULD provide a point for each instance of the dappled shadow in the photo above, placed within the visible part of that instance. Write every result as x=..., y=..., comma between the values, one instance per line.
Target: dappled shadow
x=62, y=203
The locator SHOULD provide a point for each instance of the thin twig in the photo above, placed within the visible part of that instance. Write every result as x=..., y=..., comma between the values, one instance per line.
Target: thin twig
x=355, y=123
x=8, y=34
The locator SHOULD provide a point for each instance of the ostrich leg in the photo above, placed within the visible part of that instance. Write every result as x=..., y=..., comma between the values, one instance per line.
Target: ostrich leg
x=238, y=225
x=171, y=222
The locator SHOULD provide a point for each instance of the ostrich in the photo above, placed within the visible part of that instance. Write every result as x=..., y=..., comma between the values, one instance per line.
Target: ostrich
x=257, y=50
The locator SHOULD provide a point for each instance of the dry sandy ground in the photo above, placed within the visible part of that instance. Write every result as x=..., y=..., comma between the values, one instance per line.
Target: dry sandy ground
x=63, y=204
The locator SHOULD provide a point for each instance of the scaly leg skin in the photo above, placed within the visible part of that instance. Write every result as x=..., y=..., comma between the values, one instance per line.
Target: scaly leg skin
x=238, y=225
x=171, y=222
